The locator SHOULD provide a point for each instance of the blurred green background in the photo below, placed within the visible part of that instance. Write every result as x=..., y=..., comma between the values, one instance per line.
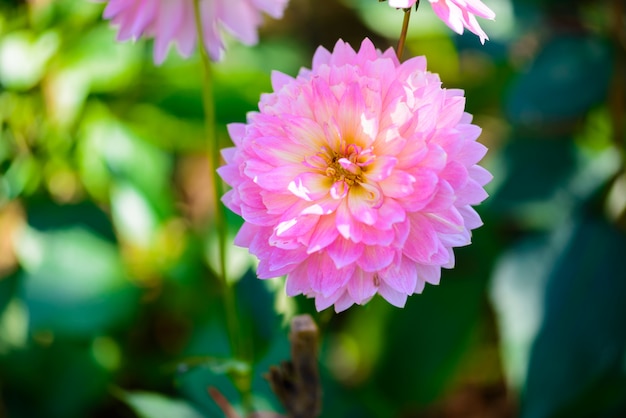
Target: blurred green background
x=108, y=303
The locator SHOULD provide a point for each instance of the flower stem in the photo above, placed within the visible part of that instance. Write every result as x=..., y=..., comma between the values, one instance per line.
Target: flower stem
x=618, y=98
x=405, y=27
x=232, y=321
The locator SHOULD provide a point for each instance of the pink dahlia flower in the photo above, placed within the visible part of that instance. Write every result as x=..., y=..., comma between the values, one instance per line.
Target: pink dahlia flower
x=173, y=21
x=458, y=14
x=355, y=178
x=402, y=4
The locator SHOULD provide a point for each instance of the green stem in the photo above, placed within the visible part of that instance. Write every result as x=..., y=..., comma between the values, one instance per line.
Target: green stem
x=618, y=99
x=232, y=322
x=405, y=27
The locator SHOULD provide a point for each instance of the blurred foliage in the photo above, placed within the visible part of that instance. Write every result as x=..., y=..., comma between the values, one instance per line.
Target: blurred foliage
x=108, y=301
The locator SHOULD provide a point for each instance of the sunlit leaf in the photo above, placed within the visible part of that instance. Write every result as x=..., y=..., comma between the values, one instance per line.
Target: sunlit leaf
x=517, y=294
x=23, y=58
x=73, y=281
x=154, y=405
x=111, y=151
x=578, y=355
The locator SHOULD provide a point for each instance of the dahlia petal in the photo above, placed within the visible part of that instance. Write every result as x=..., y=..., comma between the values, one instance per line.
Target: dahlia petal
x=480, y=175
x=279, y=80
x=442, y=199
x=448, y=221
x=343, y=252
x=471, y=153
x=425, y=183
x=459, y=239
x=381, y=168
x=372, y=235
x=346, y=224
x=274, y=8
x=404, y=4
x=390, y=212
x=363, y=202
x=306, y=133
x=389, y=141
x=310, y=186
x=324, y=206
x=351, y=113
x=277, y=204
x=449, y=258
x=471, y=194
x=455, y=174
x=323, y=302
x=471, y=218
x=114, y=7
x=186, y=36
x=376, y=258
x=174, y=22
x=236, y=131
x=470, y=22
x=247, y=233
x=401, y=276
x=462, y=13
x=414, y=65
x=429, y=274
x=391, y=295
x=283, y=262
x=343, y=54
x=325, y=278
x=277, y=179
x=343, y=302
x=399, y=184
x=241, y=20
x=168, y=21
x=323, y=235
x=478, y=8
x=321, y=57
x=293, y=228
x=361, y=286
x=276, y=150
x=401, y=233
x=450, y=13
x=133, y=27
x=451, y=113
x=231, y=201
x=298, y=281
x=423, y=243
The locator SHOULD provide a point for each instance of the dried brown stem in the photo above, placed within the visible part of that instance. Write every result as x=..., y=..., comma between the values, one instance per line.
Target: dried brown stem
x=296, y=382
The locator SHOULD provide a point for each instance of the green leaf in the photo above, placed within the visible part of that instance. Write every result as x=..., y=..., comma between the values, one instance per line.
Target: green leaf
x=562, y=320
x=73, y=281
x=545, y=178
x=569, y=76
x=154, y=405
x=517, y=293
x=52, y=377
x=110, y=151
x=582, y=340
x=23, y=58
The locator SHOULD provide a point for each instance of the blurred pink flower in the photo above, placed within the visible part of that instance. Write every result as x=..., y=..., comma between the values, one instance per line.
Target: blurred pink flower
x=355, y=178
x=458, y=14
x=402, y=4
x=173, y=21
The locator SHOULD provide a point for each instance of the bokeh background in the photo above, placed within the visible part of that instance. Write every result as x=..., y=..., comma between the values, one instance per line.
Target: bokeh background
x=108, y=304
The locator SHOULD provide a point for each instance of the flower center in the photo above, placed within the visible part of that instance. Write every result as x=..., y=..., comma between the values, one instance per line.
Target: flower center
x=347, y=165
x=342, y=169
